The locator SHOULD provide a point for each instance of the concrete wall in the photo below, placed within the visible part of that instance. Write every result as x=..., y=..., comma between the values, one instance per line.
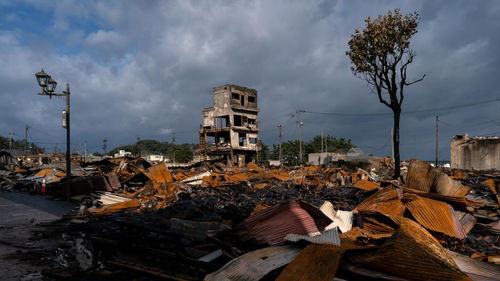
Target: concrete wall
x=478, y=153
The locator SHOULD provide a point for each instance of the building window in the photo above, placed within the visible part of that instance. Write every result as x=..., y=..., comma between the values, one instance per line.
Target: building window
x=242, y=139
x=251, y=99
x=237, y=120
x=235, y=96
x=252, y=140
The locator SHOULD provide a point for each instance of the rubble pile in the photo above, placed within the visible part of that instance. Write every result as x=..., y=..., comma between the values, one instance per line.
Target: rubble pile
x=210, y=222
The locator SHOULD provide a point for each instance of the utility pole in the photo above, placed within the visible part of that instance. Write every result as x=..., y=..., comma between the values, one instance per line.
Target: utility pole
x=300, y=124
x=26, y=140
x=173, y=146
x=85, y=151
x=138, y=146
x=280, y=127
x=104, y=146
x=437, y=140
x=321, y=140
x=11, y=134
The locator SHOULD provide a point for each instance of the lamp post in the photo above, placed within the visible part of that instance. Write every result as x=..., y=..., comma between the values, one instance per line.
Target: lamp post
x=48, y=86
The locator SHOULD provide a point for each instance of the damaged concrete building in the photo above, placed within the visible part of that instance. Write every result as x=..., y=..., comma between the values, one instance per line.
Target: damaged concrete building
x=477, y=153
x=230, y=128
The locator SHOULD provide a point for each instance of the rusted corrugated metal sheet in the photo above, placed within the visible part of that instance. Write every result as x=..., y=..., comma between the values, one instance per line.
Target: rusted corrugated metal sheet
x=411, y=253
x=254, y=265
x=315, y=262
x=478, y=270
x=341, y=219
x=366, y=185
x=435, y=215
x=422, y=176
x=270, y=226
x=456, y=201
x=114, y=181
x=329, y=237
x=466, y=220
x=159, y=173
x=385, y=201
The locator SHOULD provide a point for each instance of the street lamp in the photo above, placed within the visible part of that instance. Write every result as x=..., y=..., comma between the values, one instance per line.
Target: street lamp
x=48, y=86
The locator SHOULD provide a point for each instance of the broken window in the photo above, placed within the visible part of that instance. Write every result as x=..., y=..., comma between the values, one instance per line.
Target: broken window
x=244, y=120
x=235, y=96
x=222, y=121
x=252, y=140
x=242, y=139
x=242, y=100
x=237, y=120
x=251, y=99
x=251, y=121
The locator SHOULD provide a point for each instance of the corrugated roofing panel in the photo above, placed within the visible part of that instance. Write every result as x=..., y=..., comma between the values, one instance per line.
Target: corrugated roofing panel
x=330, y=237
x=435, y=215
x=385, y=201
x=411, y=253
x=422, y=176
x=270, y=226
x=254, y=265
x=315, y=262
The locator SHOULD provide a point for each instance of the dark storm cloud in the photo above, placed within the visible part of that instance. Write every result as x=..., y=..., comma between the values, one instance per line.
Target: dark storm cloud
x=146, y=68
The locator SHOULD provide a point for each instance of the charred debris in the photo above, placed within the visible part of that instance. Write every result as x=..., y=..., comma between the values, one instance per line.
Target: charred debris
x=222, y=217
x=209, y=221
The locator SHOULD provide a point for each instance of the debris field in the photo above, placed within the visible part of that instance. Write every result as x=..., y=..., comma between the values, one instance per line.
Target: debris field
x=138, y=221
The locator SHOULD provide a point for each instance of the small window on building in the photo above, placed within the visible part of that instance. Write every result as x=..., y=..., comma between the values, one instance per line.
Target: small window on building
x=235, y=96
x=252, y=140
x=251, y=121
x=242, y=139
x=251, y=99
x=242, y=100
x=237, y=120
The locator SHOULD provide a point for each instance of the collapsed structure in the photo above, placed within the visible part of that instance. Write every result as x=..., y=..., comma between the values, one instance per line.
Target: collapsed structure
x=230, y=128
x=477, y=153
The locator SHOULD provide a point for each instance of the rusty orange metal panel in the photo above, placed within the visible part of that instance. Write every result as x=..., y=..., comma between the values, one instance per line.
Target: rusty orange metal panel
x=254, y=167
x=117, y=207
x=315, y=262
x=159, y=173
x=411, y=253
x=366, y=185
x=456, y=201
x=422, y=176
x=385, y=201
x=435, y=215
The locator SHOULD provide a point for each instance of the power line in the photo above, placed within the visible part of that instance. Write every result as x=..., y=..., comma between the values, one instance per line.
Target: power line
x=406, y=112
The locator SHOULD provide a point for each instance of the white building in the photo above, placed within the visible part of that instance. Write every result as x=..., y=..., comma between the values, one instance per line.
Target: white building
x=122, y=153
x=154, y=158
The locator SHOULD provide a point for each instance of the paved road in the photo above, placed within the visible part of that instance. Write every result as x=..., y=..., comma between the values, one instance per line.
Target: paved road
x=19, y=214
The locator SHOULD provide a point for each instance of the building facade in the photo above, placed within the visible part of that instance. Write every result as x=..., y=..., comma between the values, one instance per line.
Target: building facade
x=230, y=128
x=477, y=153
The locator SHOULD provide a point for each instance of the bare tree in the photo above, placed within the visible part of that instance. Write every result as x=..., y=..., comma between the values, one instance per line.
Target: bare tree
x=380, y=55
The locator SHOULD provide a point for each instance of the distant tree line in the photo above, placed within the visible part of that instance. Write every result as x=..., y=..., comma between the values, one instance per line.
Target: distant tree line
x=291, y=149
x=31, y=148
x=182, y=152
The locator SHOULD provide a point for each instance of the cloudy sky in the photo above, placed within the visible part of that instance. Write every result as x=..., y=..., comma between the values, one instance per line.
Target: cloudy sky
x=147, y=68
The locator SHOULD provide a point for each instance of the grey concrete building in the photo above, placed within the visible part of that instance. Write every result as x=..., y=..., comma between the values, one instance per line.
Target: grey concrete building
x=478, y=153
x=230, y=128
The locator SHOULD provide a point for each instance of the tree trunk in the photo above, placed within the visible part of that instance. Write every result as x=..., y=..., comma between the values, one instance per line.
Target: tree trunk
x=395, y=139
